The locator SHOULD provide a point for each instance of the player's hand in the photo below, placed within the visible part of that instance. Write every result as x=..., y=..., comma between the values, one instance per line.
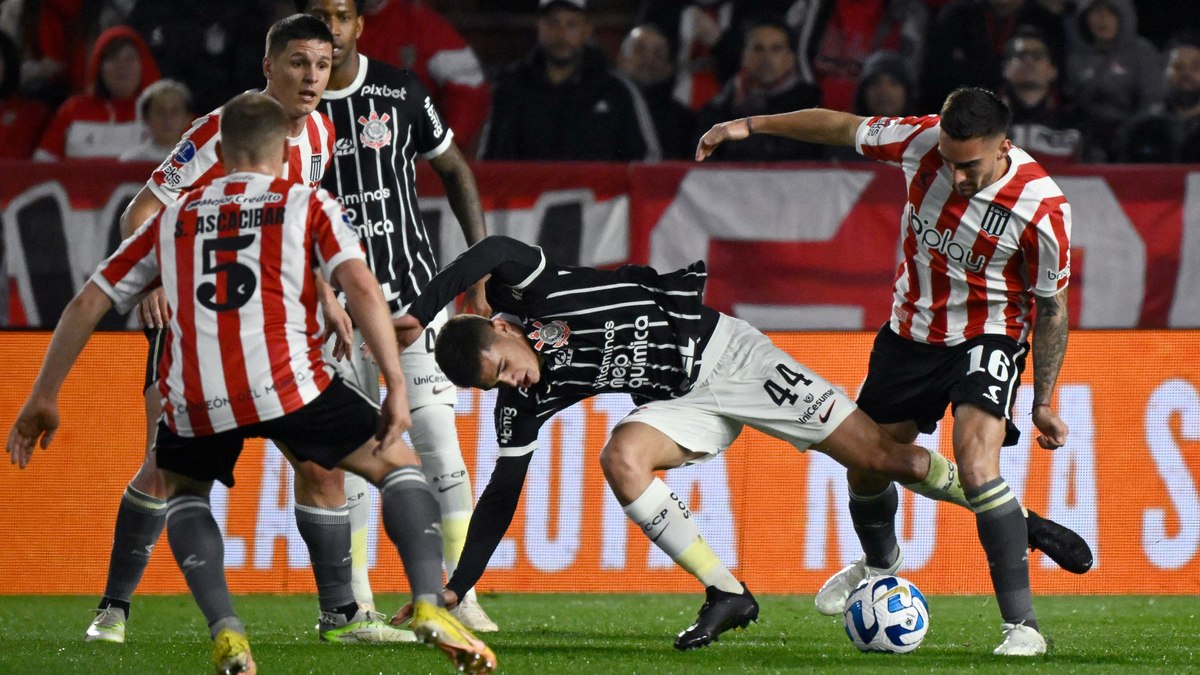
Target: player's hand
x=475, y=300
x=733, y=130
x=154, y=310
x=408, y=330
x=394, y=418
x=404, y=614
x=338, y=322
x=35, y=425
x=1053, y=430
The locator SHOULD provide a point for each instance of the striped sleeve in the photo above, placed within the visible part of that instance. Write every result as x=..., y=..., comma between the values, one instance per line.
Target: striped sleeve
x=334, y=238
x=886, y=139
x=133, y=270
x=1048, y=250
x=193, y=163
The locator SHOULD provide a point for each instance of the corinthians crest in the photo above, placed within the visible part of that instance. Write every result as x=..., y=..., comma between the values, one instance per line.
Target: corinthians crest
x=552, y=335
x=375, y=133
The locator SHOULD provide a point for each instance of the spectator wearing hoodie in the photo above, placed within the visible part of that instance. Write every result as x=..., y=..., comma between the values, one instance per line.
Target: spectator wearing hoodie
x=885, y=88
x=1172, y=132
x=1113, y=73
x=21, y=119
x=563, y=102
x=104, y=121
x=1041, y=124
x=768, y=83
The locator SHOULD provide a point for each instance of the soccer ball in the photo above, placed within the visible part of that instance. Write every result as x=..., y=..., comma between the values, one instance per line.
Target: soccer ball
x=886, y=614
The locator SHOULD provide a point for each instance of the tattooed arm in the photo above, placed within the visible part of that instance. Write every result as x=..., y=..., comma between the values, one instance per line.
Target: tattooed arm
x=1049, y=347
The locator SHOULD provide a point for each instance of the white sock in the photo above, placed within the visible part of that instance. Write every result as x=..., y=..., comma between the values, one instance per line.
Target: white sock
x=435, y=439
x=358, y=500
x=667, y=522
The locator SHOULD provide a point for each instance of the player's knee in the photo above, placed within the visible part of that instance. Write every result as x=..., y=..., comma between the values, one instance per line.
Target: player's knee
x=901, y=461
x=319, y=486
x=619, y=459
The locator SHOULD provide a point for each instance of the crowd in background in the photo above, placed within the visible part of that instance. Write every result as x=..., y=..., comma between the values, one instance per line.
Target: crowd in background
x=123, y=79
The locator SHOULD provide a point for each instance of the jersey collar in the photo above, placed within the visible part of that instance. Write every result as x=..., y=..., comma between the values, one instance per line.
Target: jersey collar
x=357, y=84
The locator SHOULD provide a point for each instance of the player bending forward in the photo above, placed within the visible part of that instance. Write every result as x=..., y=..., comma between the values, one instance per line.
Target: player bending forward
x=245, y=331
x=697, y=376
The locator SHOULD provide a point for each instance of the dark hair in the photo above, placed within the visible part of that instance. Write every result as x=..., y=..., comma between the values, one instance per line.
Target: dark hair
x=459, y=348
x=1185, y=38
x=253, y=125
x=971, y=112
x=1028, y=32
x=296, y=27
x=307, y=4
x=769, y=21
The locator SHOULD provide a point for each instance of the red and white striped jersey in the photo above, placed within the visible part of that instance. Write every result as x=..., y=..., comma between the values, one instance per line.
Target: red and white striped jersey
x=971, y=265
x=193, y=163
x=236, y=262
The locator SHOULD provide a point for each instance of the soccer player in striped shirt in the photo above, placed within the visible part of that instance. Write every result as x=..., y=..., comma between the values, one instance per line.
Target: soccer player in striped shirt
x=385, y=122
x=297, y=65
x=244, y=359
x=987, y=243
x=565, y=334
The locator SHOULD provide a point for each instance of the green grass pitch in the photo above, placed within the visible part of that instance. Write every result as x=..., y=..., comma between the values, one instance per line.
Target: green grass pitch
x=612, y=635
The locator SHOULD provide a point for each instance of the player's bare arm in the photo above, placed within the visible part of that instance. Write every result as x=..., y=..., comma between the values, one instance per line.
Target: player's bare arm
x=462, y=192
x=371, y=313
x=38, y=418
x=337, y=321
x=814, y=125
x=153, y=311
x=1049, y=347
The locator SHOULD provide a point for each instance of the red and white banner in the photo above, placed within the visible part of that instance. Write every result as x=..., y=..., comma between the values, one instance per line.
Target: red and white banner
x=797, y=247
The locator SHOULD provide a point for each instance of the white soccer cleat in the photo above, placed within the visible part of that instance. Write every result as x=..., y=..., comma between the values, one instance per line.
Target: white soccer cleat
x=108, y=626
x=831, y=599
x=1020, y=640
x=363, y=628
x=470, y=614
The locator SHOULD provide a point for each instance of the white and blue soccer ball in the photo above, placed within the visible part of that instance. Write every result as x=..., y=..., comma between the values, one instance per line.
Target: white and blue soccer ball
x=886, y=614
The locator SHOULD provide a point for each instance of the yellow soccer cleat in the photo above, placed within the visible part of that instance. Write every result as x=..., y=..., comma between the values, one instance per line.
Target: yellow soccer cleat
x=231, y=654
x=435, y=626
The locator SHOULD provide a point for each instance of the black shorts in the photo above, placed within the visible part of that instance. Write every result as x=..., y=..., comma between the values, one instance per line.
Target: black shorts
x=909, y=380
x=325, y=431
x=157, y=337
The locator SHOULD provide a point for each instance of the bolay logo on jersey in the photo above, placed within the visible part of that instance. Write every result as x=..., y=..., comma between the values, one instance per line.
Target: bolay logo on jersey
x=375, y=133
x=554, y=334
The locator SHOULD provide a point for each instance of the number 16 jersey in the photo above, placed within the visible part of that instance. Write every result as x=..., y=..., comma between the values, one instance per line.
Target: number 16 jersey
x=236, y=260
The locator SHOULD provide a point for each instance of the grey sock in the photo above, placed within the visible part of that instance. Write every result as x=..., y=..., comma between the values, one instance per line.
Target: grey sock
x=200, y=552
x=140, y=521
x=412, y=521
x=874, y=519
x=1003, y=534
x=326, y=532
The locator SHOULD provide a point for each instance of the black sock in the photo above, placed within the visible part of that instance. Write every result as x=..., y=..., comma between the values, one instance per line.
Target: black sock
x=874, y=519
x=326, y=533
x=412, y=520
x=1003, y=534
x=200, y=552
x=123, y=605
x=140, y=521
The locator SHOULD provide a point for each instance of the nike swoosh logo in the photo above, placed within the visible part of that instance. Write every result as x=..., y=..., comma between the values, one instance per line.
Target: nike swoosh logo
x=449, y=487
x=438, y=390
x=825, y=418
x=655, y=538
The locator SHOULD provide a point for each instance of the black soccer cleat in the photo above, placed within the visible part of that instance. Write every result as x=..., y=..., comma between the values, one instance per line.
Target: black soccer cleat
x=1062, y=544
x=720, y=612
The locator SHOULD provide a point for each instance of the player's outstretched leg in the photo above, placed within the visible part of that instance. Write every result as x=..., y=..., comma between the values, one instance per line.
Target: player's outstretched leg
x=1060, y=543
x=436, y=441
x=874, y=517
x=140, y=520
x=200, y=552
x=410, y=517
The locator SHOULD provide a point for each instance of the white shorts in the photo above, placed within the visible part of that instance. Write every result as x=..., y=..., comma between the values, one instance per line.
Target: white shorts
x=753, y=383
x=427, y=385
